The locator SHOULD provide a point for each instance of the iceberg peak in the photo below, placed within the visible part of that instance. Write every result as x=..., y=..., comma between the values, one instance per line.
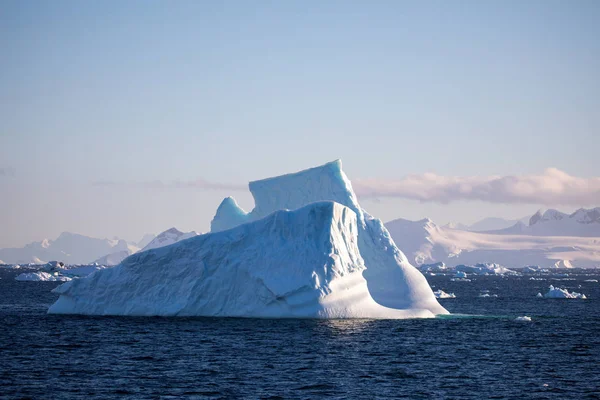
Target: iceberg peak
x=288, y=192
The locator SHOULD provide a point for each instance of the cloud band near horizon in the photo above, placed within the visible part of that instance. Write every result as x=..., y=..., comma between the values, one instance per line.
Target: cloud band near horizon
x=553, y=187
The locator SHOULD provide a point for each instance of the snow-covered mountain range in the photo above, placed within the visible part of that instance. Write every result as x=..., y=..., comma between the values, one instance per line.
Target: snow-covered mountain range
x=583, y=222
x=550, y=238
x=71, y=248
x=487, y=224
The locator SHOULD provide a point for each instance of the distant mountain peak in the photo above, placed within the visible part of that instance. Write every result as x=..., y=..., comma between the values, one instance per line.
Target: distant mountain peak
x=586, y=216
x=171, y=231
x=548, y=215
x=536, y=217
x=168, y=237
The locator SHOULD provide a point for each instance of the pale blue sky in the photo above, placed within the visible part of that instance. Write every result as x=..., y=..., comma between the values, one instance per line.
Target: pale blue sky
x=232, y=91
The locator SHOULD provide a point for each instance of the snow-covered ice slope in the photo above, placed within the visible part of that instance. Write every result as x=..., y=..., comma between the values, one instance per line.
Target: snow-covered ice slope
x=326, y=259
x=302, y=263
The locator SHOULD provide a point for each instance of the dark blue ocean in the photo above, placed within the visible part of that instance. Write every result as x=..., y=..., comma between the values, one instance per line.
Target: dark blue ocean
x=480, y=353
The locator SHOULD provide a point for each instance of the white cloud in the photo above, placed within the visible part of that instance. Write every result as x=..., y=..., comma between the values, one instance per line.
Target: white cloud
x=553, y=187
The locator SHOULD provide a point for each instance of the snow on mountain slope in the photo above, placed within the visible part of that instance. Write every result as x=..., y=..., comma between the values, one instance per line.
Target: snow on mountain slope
x=582, y=222
x=169, y=237
x=491, y=223
x=71, y=248
x=302, y=263
x=113, y=258
x=326, y=259
x=425, y=242
x=166, y=238
x=416, y=239
x=563, y=264
x=487, y=224
x=146, y=239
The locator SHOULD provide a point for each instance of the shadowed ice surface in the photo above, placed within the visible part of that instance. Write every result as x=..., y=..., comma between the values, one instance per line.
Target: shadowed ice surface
x=554, y=356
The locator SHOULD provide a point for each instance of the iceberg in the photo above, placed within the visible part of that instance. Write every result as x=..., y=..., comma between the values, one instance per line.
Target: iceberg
x=307, y=250
x=11, y=266
x=558, y=293
x=53, y=266
x=55, y=271
x=440, y=294
x=82, y=270
x=435, y=267
x=484, y=269
x=524, y=318
x=41, y=276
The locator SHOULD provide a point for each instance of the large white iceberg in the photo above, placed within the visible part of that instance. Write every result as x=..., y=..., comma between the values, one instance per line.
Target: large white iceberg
x=558, y=293
x=327, y=258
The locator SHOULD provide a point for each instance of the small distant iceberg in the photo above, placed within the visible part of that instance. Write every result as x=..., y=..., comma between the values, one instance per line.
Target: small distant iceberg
x=82, y=270
x=460, y=274
x=432, y=268
x=57, y=271
x=531, y=269
x=440, y=294
x=485, y=295
x=524, y=318
x=558, y=293
x=41, y=276
x=591, y=280
x=11, y=266
x=485, y=269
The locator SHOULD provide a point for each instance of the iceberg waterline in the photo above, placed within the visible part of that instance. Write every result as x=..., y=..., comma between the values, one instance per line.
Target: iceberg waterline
x=327, y=258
